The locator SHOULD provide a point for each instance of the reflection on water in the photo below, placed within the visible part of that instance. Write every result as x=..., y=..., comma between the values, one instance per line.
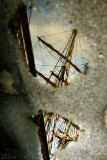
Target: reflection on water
x=57, y=48
x=60, y=132
x=47, y=21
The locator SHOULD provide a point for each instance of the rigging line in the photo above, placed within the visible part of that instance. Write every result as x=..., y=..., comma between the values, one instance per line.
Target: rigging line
x=35, y=45
x=82, y=67
x=46, y=65
x=72, y=73
x=45, y=39
x=56, y=42
x=60, y=58
x=50, y=52
x=81, y=50
x=41, y=46
x=55, y=66
x=66, y=47
x=57, y=62
x=34, y=38
x=62, y=46
x=68, y=70
x=60, y=39
x=55, y=33
x=42, y=58
x=76, y=52
x=59, y=50
x=45, y=47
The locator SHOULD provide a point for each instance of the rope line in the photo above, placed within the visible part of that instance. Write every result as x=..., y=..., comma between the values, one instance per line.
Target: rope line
x=81, y=49
x=53, y=66
x=35, y=45
x=42, y=58
x=60, y=40
x=50, y=53
x=57, y=68
x=54, y=34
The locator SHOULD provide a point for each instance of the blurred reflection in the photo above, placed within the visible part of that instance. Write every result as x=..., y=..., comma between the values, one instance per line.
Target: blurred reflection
x=52, y=36
x=47, y=22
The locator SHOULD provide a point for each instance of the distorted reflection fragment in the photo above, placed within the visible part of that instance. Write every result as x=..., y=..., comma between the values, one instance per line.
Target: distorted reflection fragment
x=56, y=59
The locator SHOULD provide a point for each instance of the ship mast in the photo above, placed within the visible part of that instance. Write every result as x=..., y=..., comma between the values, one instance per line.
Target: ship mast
x=60, y=80
x=67, y=58
x=61, y=55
